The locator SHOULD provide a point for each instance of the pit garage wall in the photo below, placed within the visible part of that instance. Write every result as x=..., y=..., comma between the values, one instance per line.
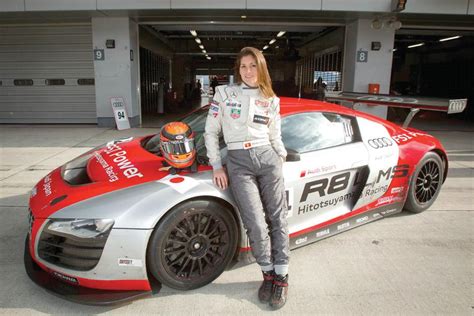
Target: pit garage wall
x=47, y=74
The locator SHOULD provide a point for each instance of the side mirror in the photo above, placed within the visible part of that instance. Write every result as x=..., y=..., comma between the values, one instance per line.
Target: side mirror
x=292, y=155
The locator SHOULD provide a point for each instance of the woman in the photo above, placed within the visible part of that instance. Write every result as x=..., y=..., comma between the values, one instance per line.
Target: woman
x=248, y=114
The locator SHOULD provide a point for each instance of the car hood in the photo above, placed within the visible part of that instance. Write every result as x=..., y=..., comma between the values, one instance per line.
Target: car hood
x=115, y=166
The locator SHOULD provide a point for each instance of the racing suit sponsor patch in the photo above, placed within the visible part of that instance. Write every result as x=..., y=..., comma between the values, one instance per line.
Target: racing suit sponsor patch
x=235, y=113
x=260, y=119
x=233, y=104
x=214, y=110
x=263, y=103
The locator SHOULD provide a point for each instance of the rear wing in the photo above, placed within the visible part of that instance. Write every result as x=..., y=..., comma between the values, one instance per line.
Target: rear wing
x=415, y=104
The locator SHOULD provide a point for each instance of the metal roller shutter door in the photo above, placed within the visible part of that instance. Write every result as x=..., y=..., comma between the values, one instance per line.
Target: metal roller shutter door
x=41, y=53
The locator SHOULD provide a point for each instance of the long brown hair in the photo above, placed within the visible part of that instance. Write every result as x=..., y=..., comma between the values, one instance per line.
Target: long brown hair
x=263, y=77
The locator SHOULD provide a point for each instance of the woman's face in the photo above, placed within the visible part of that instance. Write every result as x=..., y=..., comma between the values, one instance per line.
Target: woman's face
x=248, y=71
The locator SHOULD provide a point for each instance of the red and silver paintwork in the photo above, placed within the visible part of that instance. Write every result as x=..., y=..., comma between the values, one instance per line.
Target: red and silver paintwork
x=130, y=186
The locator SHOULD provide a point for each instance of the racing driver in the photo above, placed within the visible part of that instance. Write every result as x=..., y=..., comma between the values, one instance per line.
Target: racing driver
x=248, y=114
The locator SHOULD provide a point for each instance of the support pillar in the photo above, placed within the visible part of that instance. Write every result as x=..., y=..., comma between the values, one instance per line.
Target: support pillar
x=377, y=67
x=118, y=73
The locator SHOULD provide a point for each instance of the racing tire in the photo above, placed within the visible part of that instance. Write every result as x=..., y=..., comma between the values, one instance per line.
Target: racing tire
x=425, y=184
x=192, y=245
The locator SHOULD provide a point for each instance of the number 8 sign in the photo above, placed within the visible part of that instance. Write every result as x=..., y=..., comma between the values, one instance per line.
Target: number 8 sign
x=120, y=113
x=362, y=56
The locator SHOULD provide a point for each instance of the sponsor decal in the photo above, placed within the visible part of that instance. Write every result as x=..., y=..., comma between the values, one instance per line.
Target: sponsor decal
x=31, y=221
x=127, y=262
x=402, y=138
x=384, y=156
x=340, y=182
x=119, y=156
x=260, y=119
x=376, y=190
x=317, y=170
x=362, y=219
x=301, y=240
x=388, y=200
x=322, y=233
x=109, y=170
x=235, y=113
x=376, y=215
x=65, y=278
x=47, y=185
x=180, y=184
x=322, y=204
x=397, y=190
x=343, y=225
x=390, y=211
x=263, y=103
x=381, y=142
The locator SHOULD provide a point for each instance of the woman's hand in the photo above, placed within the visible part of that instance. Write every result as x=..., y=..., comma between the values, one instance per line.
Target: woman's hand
x=219, y=177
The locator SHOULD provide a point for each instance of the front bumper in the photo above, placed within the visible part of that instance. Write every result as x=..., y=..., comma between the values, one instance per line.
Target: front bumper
x=77, y=293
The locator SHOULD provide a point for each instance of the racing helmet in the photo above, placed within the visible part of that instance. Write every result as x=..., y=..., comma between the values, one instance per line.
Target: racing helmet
x=177, y=144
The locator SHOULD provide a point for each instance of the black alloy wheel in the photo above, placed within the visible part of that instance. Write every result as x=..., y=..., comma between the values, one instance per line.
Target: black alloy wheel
x=426, y=183
x=192, y=245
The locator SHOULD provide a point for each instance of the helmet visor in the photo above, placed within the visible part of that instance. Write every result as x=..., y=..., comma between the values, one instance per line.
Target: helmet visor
x=178, y=147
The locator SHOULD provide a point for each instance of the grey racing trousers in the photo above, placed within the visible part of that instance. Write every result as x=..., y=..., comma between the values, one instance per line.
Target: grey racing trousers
x=256, y=180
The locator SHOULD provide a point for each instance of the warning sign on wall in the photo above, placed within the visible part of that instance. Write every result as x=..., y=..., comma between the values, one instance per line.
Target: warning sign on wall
x=120, y=113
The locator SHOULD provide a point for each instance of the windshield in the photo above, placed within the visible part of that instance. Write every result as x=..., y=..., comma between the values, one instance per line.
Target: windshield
x=197, y=121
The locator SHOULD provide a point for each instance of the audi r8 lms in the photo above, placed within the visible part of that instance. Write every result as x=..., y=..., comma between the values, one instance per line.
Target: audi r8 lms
x=114, y=223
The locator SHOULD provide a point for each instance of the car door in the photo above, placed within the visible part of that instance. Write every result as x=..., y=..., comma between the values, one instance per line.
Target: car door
x=326, y=168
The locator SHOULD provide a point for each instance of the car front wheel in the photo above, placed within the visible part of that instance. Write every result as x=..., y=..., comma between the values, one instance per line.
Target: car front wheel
x=426, y=183
x=192, y=244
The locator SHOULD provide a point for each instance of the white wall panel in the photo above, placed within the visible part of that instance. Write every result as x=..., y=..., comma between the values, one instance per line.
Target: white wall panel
x=208, y=4
x=60, y=5
x=12, y=5
x=437, y=6
x=285, y=4
x=46, y=52
x=360, y=5
x=137, y=4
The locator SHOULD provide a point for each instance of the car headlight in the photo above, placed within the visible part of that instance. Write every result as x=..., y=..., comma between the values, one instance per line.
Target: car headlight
x=82, y=228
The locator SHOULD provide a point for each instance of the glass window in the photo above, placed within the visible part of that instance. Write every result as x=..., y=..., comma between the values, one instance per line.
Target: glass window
x=23, y=82
x=55, y=82
x=85, y=81
x=305, y=132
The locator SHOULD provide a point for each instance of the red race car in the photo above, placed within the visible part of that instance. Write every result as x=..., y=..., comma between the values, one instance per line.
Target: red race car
x=111, y=224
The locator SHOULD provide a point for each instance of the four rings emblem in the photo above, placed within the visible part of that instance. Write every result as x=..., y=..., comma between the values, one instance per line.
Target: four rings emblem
x=381, y=142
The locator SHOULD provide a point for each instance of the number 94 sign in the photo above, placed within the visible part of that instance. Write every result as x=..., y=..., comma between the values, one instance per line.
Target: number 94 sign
x=120, y=113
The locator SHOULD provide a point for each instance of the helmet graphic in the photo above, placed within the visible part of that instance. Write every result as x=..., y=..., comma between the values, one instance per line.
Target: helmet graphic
x=177, y=144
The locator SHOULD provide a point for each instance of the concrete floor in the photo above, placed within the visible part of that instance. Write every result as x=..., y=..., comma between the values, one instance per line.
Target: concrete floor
x=404, y=265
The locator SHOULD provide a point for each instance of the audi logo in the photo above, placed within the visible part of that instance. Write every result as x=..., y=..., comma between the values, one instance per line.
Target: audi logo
x=380, y=142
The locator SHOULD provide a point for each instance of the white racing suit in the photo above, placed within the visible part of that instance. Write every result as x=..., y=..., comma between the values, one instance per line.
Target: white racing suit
x=251, y=127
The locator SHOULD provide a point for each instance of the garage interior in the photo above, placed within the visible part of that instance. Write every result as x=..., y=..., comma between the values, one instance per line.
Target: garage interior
x=298, y=48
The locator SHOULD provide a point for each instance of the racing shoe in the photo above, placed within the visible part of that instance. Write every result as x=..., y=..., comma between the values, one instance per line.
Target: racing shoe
x=280, y=291
x=265, y=290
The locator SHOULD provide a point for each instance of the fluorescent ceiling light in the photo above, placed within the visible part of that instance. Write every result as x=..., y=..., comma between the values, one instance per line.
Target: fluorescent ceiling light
x=416, y=45
x=208, y=57
x=281, y=33
x=243, y=16
x=449, y=38
x=272, y=41
x=197, y=40
x=394, y=50
x=265, y=47
x=201, y=46
x=204, y=51
x=193, y=33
